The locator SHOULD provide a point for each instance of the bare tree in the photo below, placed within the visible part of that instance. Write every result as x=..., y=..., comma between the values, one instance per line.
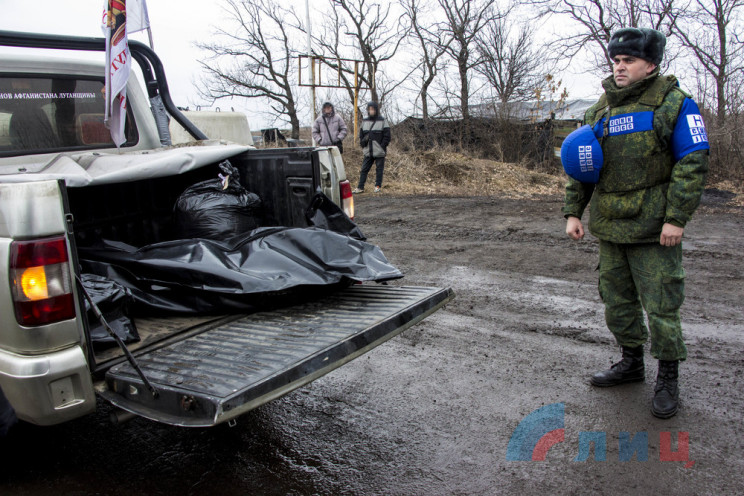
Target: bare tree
x=432, y=45
x=593, y=22
x=256, y=59
x=365, y=28
x=331, y=41
x=510, y=63
x=464, y=21
x=709, y=32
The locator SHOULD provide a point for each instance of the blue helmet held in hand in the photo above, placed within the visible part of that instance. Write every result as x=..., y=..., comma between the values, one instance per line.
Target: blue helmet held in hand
x=581, y=155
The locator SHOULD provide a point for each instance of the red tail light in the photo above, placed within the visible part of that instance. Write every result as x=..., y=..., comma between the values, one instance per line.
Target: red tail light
x=347, y=198
x=40, y=281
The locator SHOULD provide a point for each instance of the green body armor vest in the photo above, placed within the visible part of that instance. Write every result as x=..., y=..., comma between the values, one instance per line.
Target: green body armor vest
x=637, y=122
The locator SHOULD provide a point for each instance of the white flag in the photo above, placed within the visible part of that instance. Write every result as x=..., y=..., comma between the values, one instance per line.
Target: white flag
x=137, y=18
x=117, y=67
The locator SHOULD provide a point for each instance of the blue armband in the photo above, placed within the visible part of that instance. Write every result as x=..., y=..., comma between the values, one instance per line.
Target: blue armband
x=689, y=132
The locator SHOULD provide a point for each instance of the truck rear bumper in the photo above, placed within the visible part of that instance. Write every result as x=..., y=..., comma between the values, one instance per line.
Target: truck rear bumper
x=47, y=389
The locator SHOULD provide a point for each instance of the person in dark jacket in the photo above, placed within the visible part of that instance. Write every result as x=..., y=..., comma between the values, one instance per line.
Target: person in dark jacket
x=374, y=137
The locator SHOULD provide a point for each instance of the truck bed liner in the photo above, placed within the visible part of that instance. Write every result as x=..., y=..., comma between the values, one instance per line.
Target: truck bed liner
x=227, y=370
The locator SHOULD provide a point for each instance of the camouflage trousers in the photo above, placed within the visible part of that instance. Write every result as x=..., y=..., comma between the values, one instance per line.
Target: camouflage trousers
x=634, y=277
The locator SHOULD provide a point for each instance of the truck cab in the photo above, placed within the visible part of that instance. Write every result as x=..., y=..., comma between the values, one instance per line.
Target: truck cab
x=63, y=184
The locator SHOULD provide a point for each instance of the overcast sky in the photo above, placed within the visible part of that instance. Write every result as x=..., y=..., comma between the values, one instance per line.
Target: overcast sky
x=176, y=25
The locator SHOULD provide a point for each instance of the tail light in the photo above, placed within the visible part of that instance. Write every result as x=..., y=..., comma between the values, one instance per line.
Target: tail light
x=40, y=281
x=347, y=199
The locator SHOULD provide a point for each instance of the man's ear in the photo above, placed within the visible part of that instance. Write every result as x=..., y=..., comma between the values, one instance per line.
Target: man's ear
x=651, y=68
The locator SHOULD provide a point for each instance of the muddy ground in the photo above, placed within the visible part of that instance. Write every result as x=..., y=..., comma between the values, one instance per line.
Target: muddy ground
x=431, y=411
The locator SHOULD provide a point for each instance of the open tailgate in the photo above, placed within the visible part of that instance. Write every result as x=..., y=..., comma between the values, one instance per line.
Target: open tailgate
x=225, y=371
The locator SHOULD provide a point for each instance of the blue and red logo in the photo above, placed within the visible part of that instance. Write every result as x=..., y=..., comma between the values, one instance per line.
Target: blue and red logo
x=537, y=433
x=545, y=427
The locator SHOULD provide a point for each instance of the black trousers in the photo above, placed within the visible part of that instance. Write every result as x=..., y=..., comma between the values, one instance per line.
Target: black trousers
x=367, y=165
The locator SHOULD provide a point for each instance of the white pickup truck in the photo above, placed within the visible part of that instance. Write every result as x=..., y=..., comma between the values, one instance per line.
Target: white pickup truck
x=61, y=180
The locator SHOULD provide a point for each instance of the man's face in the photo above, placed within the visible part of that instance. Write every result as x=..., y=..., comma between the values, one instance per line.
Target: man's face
x=627, y=70
x=371, y=111
x=327, y=110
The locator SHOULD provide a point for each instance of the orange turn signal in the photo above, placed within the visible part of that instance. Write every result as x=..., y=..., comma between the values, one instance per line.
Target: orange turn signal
x=34, y=283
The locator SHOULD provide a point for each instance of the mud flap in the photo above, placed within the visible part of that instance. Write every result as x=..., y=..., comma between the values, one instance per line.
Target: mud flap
x=214, y=376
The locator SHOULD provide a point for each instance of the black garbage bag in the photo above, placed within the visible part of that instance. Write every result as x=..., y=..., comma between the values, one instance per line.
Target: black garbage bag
x=217, y=208
x=114, y=301
x=239, y=274
x=325, y=214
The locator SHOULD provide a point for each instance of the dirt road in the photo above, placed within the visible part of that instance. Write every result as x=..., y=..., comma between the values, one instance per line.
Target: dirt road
x=432, y=411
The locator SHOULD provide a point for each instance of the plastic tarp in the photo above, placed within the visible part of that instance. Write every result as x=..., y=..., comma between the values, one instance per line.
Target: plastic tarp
x=325, y=214
x=92, y=168
x=217, y=208
x=114, y=301
x=239, y=274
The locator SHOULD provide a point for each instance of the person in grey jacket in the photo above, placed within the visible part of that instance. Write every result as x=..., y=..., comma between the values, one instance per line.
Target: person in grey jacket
x=329, y=129
x=374, y=137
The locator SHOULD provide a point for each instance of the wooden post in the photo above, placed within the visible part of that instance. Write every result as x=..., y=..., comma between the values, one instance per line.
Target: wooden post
x=356, y=102
x=312, y=86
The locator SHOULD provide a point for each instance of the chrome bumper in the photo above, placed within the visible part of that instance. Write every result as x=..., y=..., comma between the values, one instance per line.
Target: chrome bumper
x=48, y=389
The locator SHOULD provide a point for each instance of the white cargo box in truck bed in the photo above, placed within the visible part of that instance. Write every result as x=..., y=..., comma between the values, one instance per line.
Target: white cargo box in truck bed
x=61, y=180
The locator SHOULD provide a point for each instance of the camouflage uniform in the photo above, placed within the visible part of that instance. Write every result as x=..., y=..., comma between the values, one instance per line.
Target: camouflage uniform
x=648, y=179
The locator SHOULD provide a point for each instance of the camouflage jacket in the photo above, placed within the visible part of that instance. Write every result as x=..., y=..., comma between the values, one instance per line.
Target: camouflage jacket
x=655, y=161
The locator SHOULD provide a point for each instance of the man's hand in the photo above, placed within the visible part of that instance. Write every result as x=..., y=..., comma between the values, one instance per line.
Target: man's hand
x=671, y=235
x=575, y=229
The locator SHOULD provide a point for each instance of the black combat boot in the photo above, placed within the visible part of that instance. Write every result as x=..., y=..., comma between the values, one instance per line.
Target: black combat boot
x=629, y=369
x=666, y=396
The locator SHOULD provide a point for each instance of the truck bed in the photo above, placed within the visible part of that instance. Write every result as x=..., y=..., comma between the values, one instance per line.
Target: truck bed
x=228, y=369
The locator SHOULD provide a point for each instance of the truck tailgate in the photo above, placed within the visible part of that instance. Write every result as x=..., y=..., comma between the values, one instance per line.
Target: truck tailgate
x=223, y=372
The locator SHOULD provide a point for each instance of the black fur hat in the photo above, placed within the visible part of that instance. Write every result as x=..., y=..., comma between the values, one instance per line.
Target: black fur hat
x=644, y=43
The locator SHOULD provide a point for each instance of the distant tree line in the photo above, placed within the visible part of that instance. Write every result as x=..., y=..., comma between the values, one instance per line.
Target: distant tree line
x=436, y=58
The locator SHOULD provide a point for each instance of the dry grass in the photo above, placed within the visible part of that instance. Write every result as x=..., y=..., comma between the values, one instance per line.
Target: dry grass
x=442, y=171
x=450, y=173
x=445, y=172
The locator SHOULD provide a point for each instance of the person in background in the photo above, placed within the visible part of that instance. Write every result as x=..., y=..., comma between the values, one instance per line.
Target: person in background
x=329, y=129
x=374, y=137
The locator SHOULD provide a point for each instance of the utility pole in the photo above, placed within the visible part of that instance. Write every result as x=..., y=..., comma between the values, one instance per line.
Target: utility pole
x=311, y=59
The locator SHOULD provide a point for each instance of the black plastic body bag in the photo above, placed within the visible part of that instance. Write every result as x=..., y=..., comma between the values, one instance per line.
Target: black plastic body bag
x=245, y=272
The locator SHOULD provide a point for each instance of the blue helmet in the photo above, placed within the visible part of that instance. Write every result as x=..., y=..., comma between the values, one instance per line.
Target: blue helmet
x=581, y=155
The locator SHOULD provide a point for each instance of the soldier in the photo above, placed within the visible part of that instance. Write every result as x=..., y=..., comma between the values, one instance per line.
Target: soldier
x=654, y=147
